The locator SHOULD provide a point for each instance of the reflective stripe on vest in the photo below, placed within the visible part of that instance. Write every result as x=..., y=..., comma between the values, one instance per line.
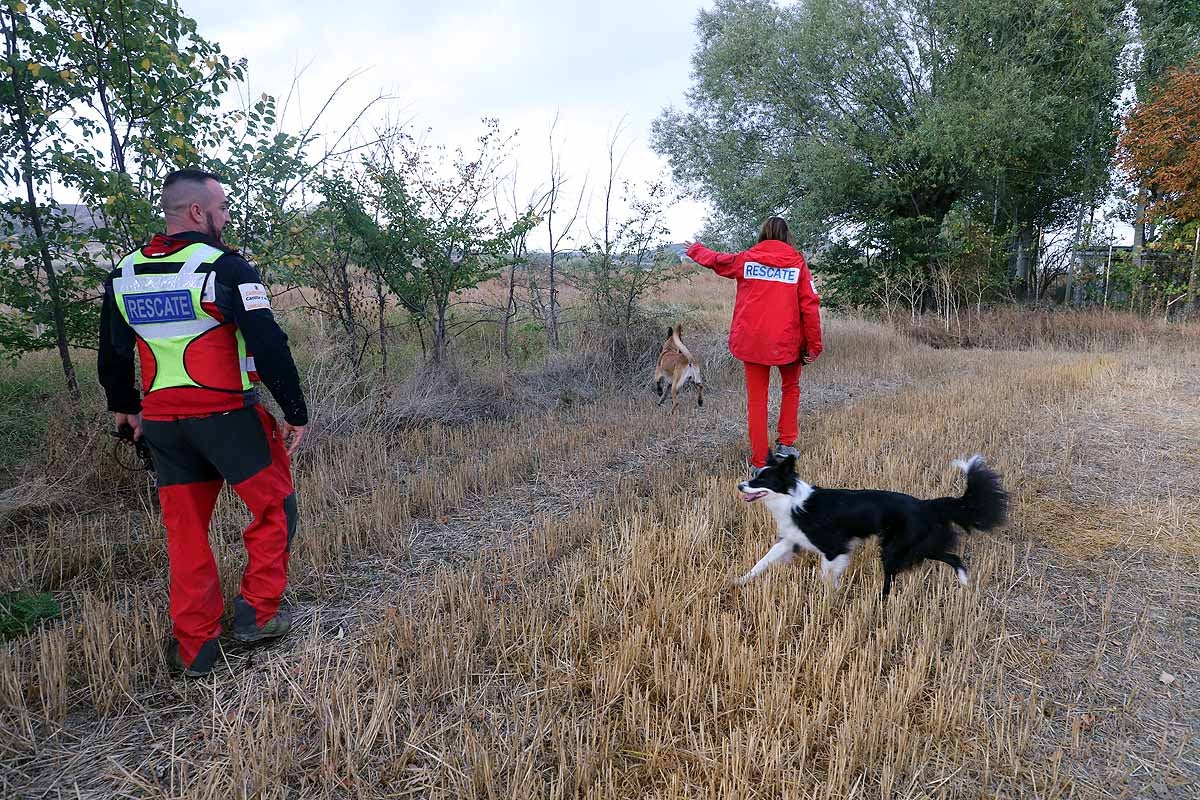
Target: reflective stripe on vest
x=200, y=253
x=165, y=310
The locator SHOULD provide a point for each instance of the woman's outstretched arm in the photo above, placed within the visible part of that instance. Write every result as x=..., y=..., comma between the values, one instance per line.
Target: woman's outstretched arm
x=724, y=264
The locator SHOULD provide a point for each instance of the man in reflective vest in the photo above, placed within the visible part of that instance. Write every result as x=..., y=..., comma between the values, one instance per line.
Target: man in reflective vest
x=194, y=311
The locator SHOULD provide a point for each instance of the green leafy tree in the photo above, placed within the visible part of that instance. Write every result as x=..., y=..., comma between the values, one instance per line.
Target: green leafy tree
x=627, y=258
x=36, y=93
x=151, y=88
x=270, y=174
x=454, y=236
x=104, y=100
x=863, y=115
x=1166, y=35
x=424, y=227
x=327, y=267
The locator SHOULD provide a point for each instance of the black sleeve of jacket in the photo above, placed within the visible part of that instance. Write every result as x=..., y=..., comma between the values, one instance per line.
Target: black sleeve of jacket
x=115, y=357
x=265, y=340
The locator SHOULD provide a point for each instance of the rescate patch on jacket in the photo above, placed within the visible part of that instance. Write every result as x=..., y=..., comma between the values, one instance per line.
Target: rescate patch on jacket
x=753, y=271
x=153, y=307
x=254, y=296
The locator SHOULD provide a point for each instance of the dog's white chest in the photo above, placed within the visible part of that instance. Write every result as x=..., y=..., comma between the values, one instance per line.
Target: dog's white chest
x=788, y=530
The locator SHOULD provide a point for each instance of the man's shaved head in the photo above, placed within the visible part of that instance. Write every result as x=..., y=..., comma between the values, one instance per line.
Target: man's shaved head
x=193, y=200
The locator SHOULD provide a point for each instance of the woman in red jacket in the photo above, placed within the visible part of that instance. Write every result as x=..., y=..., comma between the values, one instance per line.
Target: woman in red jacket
x=776, y=323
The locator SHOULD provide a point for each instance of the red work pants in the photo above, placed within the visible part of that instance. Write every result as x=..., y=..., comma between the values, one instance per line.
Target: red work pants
x=194, y=457
x=758, y=379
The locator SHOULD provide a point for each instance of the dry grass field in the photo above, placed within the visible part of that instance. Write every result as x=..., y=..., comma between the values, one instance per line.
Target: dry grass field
x=537, y=605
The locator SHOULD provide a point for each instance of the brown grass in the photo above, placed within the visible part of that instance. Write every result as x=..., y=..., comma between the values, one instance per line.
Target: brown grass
x=1088, y=330
x=539, y=606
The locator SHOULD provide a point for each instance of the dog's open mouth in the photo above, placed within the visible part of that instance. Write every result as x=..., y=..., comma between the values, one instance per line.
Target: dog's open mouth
x=750, y=495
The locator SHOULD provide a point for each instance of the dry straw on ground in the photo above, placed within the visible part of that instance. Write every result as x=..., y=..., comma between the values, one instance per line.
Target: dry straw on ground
x=540, y=607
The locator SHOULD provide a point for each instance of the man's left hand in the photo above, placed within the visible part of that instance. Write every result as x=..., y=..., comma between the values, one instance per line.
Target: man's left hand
x=292, y=436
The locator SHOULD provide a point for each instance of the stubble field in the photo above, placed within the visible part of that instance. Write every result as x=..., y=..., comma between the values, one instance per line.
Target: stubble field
x=538, y=604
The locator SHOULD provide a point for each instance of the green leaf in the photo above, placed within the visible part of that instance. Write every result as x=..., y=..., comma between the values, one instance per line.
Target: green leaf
x=20, y=611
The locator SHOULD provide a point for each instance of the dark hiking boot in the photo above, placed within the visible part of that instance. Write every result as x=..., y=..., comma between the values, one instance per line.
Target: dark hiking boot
x=785, y=450
x=204, y=662
x=245, y=623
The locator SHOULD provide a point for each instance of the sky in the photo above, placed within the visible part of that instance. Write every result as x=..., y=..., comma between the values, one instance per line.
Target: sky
x=596, y=66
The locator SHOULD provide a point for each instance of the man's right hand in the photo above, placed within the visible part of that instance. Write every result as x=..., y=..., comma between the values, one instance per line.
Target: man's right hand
x=132, y=420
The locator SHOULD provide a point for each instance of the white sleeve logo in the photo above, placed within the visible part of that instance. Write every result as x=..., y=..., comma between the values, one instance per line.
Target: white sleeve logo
x=254, y=296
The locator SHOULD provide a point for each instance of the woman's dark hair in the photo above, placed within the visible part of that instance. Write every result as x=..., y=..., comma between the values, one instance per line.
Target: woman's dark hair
x=776, y=228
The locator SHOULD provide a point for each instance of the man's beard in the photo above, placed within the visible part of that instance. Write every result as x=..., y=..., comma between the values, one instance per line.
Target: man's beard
x=213, y=231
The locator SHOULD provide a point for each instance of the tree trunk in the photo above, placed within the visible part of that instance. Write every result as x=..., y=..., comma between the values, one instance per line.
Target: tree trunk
x=1107, y=271
x=1075, y=260
x=34, y=216
x=341, y=275
x=439, y=333
x=381, y=300
x=552, y=315
x=1139, y=243
x=118, y=150
x=1022, y=261
x=56, y=301
x=510, y=312
x=1191, y=290
x=946, y=289
x=1035, y=267
x=421, y=335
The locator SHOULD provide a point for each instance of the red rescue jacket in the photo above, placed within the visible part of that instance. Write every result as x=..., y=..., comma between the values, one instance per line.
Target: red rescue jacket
x=777, y=313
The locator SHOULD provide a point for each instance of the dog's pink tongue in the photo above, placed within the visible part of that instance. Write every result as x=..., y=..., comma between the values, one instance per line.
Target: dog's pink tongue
x=750, y=497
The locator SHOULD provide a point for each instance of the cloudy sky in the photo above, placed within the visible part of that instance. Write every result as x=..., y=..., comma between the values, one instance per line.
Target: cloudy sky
x=521, y=61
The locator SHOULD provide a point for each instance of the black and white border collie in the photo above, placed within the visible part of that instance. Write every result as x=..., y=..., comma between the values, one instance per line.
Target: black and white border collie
x=834, y=522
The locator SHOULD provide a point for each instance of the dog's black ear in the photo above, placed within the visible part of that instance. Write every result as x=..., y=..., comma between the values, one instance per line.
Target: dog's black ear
x=788, y=465
x=771, y=459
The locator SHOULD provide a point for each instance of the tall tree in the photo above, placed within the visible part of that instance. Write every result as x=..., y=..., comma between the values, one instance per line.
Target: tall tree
x=626, y=257
x=1160, y=150
x=560, y=219
x=1166, y=34
x=152, y=86
x=855, y=115
x=509, y=212
x=104, y=99
x=37, y=90
x=431, y=232
x=1160, y=146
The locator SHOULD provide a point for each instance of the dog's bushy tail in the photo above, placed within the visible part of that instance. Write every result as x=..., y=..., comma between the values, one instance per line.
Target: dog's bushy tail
x=984, y=505
x=677, y=335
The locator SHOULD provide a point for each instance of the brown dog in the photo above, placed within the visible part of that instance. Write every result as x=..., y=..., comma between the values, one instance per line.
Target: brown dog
x=675, y=365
